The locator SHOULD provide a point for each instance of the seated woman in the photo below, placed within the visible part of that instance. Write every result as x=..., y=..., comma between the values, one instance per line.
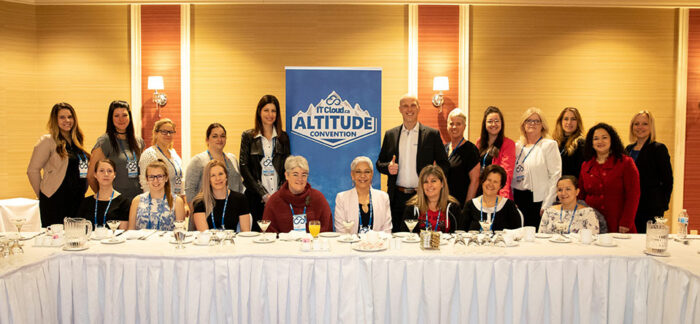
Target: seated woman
x=296, y=203
x=362, y=208
x=570, y=213
x=500, y=210
x=432, y=205
x=159, y=208
x=107, y=203
x=218, y=207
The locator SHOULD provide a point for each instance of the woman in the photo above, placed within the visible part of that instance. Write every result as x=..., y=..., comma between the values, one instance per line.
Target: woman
x=163, y=132
x=296, y=203
x=158, y=208
x=263, y=151
x=500, y=210
x=495, y=148
x=63, y=158
x=537, y=167
x=432, y=204
x=609, y=180
x=569, y=135
x=463, y=157
x=570, y=213
x=216, y=141
x=120, y=145
x=362, y=208
x=107, y=203
x=217, y=206
x=654, y=165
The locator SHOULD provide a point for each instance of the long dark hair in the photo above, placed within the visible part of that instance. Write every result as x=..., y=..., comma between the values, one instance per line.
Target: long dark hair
x=76, y=134
x=484, y=140
x=112, y=130
x=617, y=150
x=269, y=99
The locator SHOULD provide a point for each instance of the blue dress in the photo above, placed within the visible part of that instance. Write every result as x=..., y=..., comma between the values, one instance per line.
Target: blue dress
x=154, y=213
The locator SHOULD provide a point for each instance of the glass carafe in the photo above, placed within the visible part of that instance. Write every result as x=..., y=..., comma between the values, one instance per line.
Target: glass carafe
x=76, y=232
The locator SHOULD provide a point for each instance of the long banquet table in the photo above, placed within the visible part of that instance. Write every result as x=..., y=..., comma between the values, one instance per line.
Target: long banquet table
x=540, y=282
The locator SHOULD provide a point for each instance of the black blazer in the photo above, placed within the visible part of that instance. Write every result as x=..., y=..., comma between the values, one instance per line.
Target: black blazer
x=430, y=149
x=655, y=178
x=252, y=154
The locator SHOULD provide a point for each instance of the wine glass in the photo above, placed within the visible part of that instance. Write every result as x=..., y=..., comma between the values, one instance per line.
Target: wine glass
x=179, y=233
x=113, y=225
x=347, y=224
x=314, y=228
x=264, y=224
x=18, y=222
x=411, y=224
x=560, y=227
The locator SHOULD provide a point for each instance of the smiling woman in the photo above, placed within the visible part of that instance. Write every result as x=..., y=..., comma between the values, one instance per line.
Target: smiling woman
x=499, y=211
x=218, y=207
x=432, y=204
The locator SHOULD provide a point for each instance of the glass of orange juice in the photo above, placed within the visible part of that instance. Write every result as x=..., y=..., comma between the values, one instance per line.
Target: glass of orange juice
x=314, y=228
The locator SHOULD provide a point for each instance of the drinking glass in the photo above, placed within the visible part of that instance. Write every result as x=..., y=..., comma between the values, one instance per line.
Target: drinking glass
x=347, y=224
x=411, y=224
x=179, y=233
x=18, y=222
x=113, y=225
x=314, y=228
x=264, y=224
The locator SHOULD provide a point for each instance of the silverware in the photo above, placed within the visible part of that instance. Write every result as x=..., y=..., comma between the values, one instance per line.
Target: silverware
x=162, y=233
x=147, y=235
x=122, y=232
x=33, y=236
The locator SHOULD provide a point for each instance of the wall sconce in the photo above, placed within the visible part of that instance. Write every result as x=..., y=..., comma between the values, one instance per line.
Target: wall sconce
x=440, y=83
x=156, y=83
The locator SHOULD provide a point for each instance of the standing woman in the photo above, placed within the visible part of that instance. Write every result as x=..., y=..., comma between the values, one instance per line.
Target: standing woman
x=65, y=163
x=263, y=152
x=463, y=179
x=654, y=165
x=537, y=167
x=163, y=132
x=158, y=208
x=119, y=144
x=609, y=180
x=107, y=204
x=569, y=135
x=432, y=204
x=495, y=148
x=217, y=206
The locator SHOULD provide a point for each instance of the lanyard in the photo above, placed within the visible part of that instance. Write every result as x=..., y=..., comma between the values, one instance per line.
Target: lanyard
x=84, y=159
x=225, y=160
x=437, y=222
x=123, y=150
x=481, y=210
x=274, y=143
x=483, y=162
x=290, y=207
x=175, y=167
x=561, y=213
x=371, y=213
x=150, y=221
x=223, y=213
x=455, y=148
x=104, y=218
x=528, y=153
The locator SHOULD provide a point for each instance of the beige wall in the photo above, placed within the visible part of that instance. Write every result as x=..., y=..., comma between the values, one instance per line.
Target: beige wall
x=76, y=54
x=239, y=53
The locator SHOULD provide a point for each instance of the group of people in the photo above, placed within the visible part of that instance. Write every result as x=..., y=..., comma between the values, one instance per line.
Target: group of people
x=589, y=181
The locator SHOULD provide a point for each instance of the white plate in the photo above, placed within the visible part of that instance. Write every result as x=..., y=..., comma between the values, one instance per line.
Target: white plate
x=613, y=244
x=66, y=248
x=358, y=248
x=200, y=243
x=662, y=254
x=263, y=240
x=110, y=241
x=100, y=238
x=543, y=235
x=401, y=234
x=329, y=234
x=622, y=236
x=410, y=239
x=560, y=240
x=248, y=234
x=345, y=239
x=187, y=240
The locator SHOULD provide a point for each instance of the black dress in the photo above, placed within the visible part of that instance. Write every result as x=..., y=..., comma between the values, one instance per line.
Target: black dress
x=462, y=160
x=118, y=210
x=67, y=199
x=655, y=182
x=507, y=215
x=571, y=164
x=237, y=205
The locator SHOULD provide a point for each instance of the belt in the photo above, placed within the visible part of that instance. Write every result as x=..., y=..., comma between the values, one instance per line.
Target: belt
x=409, y=191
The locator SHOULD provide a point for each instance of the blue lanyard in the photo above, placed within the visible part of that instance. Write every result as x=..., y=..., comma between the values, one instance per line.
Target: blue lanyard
x=437, y=222
x=371, y=213
x=274, y=143
x=84, y=159
x=225, y=160
x=455, y=148
x=223, y=213
x=150, y=221
x=561, y=213
x=528, y=153
x=290, y=207
x=483, y=162
x=175, y=167
x=104, y=218
x=495, y=208
x=123, y=150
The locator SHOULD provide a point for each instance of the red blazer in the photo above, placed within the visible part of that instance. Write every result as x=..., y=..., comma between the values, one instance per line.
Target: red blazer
x=613, y=189
x=280, y=216
x=506, y=159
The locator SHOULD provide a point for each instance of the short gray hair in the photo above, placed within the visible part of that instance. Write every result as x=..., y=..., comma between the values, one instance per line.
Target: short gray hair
x=457, y=112
x=359, y=160
x=296, y=161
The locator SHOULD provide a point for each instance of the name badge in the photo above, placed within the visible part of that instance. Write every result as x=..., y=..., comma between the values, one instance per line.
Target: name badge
x=83, y=168
x=299, y=222
x=519, y=173
x=132, y=169
x=177, y=188
x=364, y=229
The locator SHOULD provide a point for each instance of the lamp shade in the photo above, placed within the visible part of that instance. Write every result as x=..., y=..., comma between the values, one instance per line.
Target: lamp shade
x=155, y=83
x=441, y=83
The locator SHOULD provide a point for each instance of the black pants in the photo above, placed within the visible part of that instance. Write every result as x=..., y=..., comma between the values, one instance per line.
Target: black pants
x=257, y=207
x=529, y=208
x=398, y=205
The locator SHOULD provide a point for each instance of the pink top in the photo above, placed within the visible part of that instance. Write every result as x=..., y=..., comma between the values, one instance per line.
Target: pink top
x=506, y=159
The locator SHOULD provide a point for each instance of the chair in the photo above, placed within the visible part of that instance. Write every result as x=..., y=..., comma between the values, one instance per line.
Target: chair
x=28, y=208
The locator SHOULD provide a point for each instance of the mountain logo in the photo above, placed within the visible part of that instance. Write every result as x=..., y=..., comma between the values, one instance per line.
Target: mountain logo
x=333, y=122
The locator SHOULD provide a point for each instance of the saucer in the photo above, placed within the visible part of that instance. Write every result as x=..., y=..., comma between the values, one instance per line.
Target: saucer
x=187, y=240
x=346, y=239
x=543, y=235
x=329, y=234
x=598, y=243
x=560, y=240
x=621, y=236
x=401, y=234
x=263, y=240
x=659, y=254
x=66, y=248
x=248, y=234
x=200, y=243
x=411, y=240
x=110, y=241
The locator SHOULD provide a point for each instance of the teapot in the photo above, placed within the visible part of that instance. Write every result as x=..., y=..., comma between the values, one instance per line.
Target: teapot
x=76, y=233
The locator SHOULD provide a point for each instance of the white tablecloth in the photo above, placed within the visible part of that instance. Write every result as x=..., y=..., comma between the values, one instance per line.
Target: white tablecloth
x=27, y=208
x=540, y=282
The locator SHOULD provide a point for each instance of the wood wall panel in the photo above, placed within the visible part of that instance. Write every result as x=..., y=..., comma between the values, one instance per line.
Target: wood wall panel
x=438, y=55
x=160, y=56
x=691, y=186
x=239, y=53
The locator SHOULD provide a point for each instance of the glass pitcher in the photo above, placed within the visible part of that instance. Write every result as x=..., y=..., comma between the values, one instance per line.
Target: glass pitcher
x=76, y=232
x=657, y=237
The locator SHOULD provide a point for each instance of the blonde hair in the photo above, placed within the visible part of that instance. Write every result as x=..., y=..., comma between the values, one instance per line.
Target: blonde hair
x=159, y=164
x=420, y=200
x=156, y=129
x=76, y=134
x=573, y=140
x=296, y=161
x=529, y=112
x=207, y=195
x=457, y=112
x=652, y=126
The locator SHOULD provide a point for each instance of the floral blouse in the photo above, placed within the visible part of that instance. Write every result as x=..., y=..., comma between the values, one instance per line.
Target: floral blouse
x=154, y=213
x=584, y=218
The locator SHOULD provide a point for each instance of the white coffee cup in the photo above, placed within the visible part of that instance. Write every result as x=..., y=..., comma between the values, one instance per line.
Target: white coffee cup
x=529, y=233
x=585, y=236
x=203, y=237
x=605, y=239
x=102, y=232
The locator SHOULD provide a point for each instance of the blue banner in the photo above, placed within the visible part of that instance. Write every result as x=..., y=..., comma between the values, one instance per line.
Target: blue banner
x=333, y=116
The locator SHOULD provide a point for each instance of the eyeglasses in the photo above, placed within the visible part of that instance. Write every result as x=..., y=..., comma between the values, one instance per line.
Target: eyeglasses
x=159, y=177
x=533, y=121
x=167, y=132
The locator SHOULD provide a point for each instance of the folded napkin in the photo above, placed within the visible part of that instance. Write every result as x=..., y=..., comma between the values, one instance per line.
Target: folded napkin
x=294, y=235
x=135, y=234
